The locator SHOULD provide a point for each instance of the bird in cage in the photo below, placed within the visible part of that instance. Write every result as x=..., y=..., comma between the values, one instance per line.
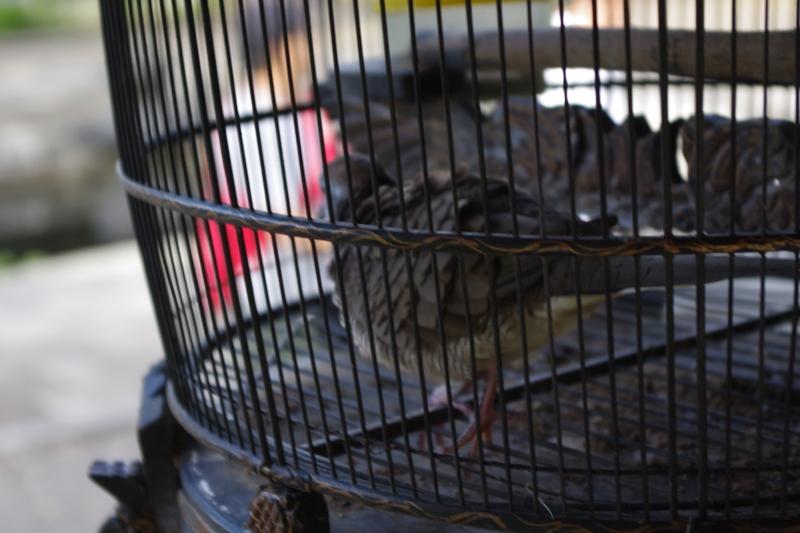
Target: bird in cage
x=734, y=164
x=434, y=164
x=556, y=152
x=468, y=310
x=402, y=156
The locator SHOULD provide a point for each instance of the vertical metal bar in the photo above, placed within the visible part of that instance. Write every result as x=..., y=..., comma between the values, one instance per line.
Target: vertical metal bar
x=323, y=300
x=188, y=345
x=573, y=221
x=315, y=259
x=247, y=274
x=457, y=225
x=576, y=262
x=122, y=80
x=278, y=262
x=360, y=262
x=797, y=116
x=312, y=242
x=351, y=353
x=700, y=292
x=206, y=230
x=573, y=227
x=790, y=371
x=793, y=338
x=147, y=233
x=275, y=251
x=666, y=179
x=632, y=162
x=484, y=199
x=287, y=56
x=230, y=273
x=185, y=230
x=601, y=170
x=271, y=315
x=762, y=282
x=553, y=377
x=247, y=269
x=535, y=105
x=339, y=277
x=167, y=268
x=204, y=305
x=760, y=388
x=225, y=155
x=765, y=120
x=612, y=378
x=731, y=266
x=515, y=231
x=540, y=198
x=193, y=341
x=406, y=256
x=206, y=226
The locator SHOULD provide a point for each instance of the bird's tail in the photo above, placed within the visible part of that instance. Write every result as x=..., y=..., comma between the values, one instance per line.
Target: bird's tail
x=622, y=272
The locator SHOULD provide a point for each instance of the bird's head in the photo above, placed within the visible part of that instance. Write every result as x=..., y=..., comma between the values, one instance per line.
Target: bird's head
x=361, y=174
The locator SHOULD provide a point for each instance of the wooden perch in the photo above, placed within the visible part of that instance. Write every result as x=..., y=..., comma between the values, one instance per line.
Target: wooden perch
x=644, y=52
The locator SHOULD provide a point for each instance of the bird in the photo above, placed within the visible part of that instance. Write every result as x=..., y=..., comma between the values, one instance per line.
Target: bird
x=733, y=165
x=398, y=300
x=372, y=128
x=548, y=145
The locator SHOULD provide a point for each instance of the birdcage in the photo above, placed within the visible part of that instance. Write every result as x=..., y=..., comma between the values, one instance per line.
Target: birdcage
x=495, y=263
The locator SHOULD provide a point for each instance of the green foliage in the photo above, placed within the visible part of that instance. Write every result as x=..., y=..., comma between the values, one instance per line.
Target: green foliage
x=18, y=15
x=9, y=257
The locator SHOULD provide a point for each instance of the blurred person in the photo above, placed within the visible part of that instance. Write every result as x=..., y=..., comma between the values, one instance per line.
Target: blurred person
x=275, y=161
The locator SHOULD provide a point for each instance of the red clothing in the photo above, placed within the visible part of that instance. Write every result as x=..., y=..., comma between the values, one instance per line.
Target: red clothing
x=247, y=174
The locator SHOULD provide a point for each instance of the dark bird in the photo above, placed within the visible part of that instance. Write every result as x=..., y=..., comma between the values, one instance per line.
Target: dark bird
x=735, y=173
x=548, y=152
x=389, y=312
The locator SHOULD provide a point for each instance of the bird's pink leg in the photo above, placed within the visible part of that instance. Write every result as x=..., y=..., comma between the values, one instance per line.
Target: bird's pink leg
x=438, y=399
x=488, y=416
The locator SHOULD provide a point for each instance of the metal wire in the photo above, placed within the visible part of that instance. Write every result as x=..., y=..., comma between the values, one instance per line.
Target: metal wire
x=392, y=197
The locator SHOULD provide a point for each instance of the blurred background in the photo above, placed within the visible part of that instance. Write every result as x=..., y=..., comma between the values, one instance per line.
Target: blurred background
x=76, y=325
x=77, y=330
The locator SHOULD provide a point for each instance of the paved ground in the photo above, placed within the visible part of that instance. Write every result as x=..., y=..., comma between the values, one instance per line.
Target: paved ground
x=76, y=335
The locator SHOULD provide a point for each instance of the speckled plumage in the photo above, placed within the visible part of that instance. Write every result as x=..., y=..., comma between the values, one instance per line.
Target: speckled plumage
x=416, y=300
x=545, y=150
x=735, y=165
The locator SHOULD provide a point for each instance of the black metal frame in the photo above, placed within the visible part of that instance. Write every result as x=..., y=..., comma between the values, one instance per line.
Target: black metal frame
x=231, y=389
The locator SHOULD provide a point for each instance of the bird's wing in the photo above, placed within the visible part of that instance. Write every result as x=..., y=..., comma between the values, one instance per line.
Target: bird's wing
x=743, y=172
x=410, y=153
x=467, y=282
x=545, y=146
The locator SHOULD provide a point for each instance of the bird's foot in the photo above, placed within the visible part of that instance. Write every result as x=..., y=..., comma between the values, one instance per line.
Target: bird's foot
x=436, y=400
x=470, y=437
x=488, y=416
